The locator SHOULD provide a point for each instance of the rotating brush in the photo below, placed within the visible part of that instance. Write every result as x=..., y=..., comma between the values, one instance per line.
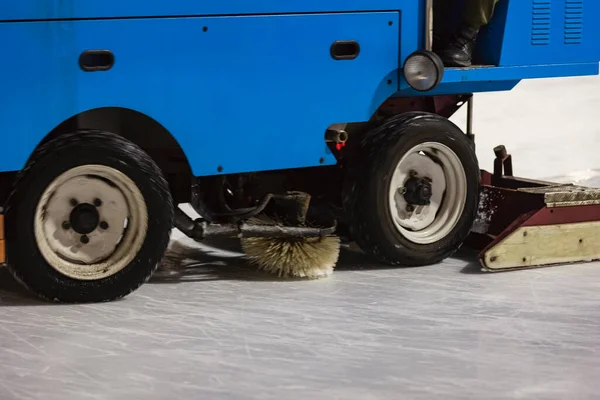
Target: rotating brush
x=312, y=258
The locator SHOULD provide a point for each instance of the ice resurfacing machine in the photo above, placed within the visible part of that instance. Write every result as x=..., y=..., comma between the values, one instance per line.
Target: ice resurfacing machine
x=285, y=123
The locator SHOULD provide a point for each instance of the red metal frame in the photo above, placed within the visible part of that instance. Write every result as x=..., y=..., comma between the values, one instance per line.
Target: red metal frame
x=504, y=208
x=444, y=105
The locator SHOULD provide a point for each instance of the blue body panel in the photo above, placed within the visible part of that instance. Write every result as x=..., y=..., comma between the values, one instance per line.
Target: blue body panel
x=250, y=102
x=256, y=90
x=541, y=32
x=529, y=39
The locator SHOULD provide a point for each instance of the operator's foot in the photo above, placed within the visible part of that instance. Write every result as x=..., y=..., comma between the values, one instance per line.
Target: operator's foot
x=459, y=50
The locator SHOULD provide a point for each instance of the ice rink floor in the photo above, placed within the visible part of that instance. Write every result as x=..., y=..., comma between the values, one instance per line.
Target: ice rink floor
x=213, y=329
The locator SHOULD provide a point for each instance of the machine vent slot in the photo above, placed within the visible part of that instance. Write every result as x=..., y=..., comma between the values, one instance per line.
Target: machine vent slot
x=540, y=26
x=573, y=21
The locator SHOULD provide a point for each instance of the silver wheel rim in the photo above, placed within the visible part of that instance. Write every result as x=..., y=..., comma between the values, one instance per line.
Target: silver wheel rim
x=121, y=214
x=426, y=224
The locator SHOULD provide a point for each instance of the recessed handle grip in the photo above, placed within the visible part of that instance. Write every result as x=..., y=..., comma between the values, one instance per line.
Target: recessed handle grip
x=96, y=60
x=344, y=50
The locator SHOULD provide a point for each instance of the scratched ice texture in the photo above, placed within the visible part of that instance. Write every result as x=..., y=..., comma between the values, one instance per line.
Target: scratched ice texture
x=209, y=327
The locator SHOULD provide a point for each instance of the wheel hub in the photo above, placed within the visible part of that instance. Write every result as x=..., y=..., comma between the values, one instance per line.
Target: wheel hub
x=84, y=218
x=427, y=192
x=90, y=222
x=418, y=191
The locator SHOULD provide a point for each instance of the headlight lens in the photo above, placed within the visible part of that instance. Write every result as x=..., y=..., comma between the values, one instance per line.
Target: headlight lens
x=423, y=70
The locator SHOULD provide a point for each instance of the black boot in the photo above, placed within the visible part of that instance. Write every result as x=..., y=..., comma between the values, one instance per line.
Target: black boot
x=458, y=52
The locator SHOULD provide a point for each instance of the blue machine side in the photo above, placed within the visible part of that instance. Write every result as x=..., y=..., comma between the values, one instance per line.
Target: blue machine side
x=541, y=32
x=529, y=39
x=551, y=32
x=245, y=93
x=79, y=9
x=491, y=79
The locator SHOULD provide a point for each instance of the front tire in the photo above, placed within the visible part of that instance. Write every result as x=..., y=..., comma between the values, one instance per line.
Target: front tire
x=88, y=220
x=383, y=195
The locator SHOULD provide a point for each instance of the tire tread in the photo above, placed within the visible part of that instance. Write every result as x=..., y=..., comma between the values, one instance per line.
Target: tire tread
x=98, y=140
x=358, y=203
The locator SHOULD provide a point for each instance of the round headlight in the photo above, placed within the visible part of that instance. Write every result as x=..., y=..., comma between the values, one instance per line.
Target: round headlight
x=423, y=70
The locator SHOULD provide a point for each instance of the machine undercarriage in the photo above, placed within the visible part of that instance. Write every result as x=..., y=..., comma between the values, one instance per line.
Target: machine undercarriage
x=520, y=223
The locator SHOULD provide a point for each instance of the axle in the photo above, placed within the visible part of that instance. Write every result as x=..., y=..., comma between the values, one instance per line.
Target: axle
x=201, y=229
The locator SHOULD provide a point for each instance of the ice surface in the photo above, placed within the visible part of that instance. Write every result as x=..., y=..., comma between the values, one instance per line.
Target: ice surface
x=209, y=327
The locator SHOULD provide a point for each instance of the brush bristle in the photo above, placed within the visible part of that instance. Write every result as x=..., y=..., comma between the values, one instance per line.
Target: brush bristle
x=310, y=258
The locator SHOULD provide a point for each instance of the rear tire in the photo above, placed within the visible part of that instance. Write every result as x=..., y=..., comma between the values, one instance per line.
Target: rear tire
x=88, y=220
x=381, y=219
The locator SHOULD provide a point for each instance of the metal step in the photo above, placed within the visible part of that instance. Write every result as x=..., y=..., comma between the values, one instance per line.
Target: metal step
x=566, y=195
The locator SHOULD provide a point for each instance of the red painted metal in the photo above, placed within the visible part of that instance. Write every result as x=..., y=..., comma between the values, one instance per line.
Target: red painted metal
x=444, y=105
x=502, y=163
x=564, y=215
x=499, y=207
x=447, y=105
x=486, y=178
x=504, y=208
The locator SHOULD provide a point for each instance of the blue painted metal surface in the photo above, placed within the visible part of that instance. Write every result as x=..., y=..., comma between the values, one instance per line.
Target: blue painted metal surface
x=492, y=78
x=249, y=94
x=530, y=39
x=258, y=88
x=541, y=32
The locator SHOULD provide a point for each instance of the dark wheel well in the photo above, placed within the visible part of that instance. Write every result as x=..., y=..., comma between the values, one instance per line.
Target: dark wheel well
x=145, y=132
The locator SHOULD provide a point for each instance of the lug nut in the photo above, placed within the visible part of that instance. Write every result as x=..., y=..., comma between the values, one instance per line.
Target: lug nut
x=73, y=202
x=413, y=173
x=97, y=202
x=66, y=225
x=84, y=239
x=410, y=208
x=402, y=190
x=104, y=225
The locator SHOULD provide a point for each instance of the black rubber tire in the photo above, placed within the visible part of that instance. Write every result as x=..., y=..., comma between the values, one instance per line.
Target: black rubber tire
x=48, y=162
x=367, y=185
